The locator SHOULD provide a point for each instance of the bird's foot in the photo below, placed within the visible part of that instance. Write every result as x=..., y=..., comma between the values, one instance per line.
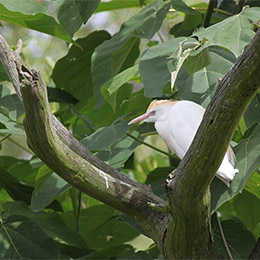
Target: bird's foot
x=168, y=182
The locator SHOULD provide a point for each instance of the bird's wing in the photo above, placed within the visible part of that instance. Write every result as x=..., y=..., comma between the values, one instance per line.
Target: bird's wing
x=231, y=156
x=184, y=120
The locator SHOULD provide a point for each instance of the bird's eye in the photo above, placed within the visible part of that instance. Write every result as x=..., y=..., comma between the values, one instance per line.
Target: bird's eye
x=153, y=112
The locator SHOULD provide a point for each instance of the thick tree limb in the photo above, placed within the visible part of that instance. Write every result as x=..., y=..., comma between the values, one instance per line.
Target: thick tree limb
x=188, y=233
x=190, y=188
x=59, y=150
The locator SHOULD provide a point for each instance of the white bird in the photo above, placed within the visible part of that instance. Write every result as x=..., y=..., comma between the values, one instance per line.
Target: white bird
x=177, y=123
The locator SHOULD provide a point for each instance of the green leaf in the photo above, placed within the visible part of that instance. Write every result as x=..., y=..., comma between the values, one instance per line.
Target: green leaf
x=44, y=173
x=179, y=56
x=72, y=13
x=248, y=159
x=190, y=22
x=117, y=154
x=51, y=223
x=72, y=72
x=233, y=33
x=229, y=6
x=153, y=66
x=53, y=187
x=33, y=16
x=144, y=25
x=3, y=75
x=197, y=62
x=10, y=106
x=240, y=241
x=130, y=253
x=23, y=171
x=109, y=90
x=61, y=96
x=16, y=190
x=115, y=5
x=179, y=5
x=101, y=228
x=23, y=239
x=201, y=86
x=245, y=206
x=253, y=185
x=252, y=114
x=105, y=136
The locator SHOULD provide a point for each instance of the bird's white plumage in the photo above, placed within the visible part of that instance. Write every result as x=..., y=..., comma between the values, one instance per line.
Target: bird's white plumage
x=177, y=123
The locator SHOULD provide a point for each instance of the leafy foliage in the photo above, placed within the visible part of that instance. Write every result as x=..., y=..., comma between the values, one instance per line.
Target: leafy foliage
x=101, y=83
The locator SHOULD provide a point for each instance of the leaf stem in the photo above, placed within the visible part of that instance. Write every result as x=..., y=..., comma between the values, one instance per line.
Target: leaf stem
x=215, y=10
x=240, y=130
x=11, y=240
x=223, y=237
x=4, y=138
x=151, y=146
x=160, y=36
x=21, y=146
x=78, y=211
x=207, y=18
x=205, y=9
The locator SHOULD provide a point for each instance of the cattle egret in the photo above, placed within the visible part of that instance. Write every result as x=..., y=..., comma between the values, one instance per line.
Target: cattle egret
x=177, y=123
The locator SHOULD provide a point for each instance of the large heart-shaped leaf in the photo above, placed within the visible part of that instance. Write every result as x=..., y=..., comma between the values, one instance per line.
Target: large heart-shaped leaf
x=33, y=16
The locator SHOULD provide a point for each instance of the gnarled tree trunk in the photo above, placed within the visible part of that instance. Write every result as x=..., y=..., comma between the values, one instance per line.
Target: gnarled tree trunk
x=179, y=227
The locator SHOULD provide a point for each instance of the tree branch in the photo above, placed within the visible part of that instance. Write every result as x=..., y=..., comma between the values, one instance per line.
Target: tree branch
x=190, y=188
x=65, y=155
x=210, y=9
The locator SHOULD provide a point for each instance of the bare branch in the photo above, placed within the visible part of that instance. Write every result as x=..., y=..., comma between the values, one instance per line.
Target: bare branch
x=10, y=60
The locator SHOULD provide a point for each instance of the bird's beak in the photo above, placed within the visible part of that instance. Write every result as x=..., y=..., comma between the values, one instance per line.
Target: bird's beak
x=140, y=118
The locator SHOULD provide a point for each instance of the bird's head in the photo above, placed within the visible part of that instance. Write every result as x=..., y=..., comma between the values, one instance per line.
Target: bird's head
x=158, y=110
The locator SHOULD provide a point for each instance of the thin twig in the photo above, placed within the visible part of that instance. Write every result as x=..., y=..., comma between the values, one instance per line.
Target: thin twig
x=151, y=146
x=223, y=237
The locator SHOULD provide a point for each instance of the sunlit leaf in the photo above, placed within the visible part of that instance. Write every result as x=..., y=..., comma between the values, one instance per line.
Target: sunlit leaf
x=33, y=16
x=233, y=33
x=110, y=89
x=72, y=72
x=144, y=24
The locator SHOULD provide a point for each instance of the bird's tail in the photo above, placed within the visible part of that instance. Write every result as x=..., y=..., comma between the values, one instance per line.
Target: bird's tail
x=226, y=171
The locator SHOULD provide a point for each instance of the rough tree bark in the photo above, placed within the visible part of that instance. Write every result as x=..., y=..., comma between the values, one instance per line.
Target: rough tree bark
x=183, y=232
